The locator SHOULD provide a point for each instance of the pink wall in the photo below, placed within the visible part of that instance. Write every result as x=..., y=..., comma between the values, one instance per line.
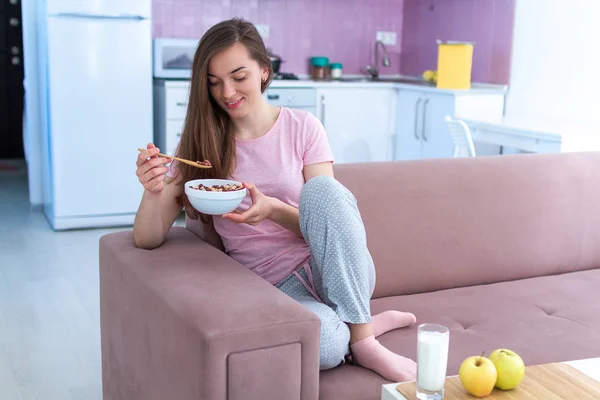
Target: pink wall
x=489, y=23
x=343, y=30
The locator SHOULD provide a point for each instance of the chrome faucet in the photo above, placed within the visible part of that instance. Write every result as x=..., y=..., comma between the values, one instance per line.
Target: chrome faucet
x=374, y=71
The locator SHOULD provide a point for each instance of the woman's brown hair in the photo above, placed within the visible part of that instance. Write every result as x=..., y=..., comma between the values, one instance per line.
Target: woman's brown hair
x=208, y=130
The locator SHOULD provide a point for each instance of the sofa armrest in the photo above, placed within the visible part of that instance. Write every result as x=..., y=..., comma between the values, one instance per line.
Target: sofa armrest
x=185, y=321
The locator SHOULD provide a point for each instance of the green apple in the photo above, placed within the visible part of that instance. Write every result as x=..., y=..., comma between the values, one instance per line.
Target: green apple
x=478, y=375
x=510, y=367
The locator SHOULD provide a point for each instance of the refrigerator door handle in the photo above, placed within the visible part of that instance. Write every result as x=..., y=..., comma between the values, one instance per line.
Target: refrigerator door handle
x=100, y=16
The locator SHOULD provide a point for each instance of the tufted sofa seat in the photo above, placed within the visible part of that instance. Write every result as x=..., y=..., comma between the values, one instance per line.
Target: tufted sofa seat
x=544, y=319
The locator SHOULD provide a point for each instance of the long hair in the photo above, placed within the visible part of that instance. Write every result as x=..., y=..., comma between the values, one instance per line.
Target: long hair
x=208, y=130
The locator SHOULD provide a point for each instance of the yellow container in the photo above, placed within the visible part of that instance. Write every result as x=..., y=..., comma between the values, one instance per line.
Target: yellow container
x=455, y=61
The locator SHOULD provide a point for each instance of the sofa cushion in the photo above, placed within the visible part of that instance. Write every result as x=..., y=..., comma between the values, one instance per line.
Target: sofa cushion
x=545, y=319
x=441, y=224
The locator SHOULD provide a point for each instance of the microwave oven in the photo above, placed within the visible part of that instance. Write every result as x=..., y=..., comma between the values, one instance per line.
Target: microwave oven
x=173, y=57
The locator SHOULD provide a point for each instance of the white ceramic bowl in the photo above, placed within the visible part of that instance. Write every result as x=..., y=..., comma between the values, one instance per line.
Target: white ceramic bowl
x=214, y=203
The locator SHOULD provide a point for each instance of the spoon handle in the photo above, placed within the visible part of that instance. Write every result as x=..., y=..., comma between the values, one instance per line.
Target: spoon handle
x=192, y=163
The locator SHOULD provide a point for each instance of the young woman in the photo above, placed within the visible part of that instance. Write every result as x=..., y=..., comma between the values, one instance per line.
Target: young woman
x=298, y=228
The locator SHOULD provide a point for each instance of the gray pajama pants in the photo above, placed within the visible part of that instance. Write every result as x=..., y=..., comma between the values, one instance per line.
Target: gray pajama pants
x=340, y=269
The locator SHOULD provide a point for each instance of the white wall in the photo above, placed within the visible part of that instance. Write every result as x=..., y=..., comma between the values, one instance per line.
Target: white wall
x=555, y=71
x=32, y=139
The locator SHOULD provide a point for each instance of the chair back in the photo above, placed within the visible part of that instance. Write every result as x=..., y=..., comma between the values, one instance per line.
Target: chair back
x=461, y=137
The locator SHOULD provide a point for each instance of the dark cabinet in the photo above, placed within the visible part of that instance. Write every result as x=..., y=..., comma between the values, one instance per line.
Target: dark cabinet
x=11, y=79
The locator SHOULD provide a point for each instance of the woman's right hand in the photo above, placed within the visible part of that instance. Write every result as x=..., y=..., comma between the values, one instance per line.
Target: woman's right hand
x=150, y=169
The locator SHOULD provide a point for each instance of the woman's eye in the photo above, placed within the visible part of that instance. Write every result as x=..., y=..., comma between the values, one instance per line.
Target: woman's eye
x=213, y=83
x=241, y=79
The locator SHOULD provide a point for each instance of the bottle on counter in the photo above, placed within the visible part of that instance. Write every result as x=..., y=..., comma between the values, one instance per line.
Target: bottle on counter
x=336, y=70
x=320, y=68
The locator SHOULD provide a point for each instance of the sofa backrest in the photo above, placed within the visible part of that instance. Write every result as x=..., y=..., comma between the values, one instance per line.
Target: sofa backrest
x=439, y=224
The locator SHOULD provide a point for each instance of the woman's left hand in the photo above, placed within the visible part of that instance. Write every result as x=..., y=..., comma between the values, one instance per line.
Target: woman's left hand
x=260, y=209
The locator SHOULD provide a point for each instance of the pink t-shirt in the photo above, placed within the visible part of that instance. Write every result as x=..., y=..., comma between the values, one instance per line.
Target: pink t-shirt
x=274, y=163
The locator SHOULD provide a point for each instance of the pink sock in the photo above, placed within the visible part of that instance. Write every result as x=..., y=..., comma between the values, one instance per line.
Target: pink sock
x=391, y=319
x=370, y=354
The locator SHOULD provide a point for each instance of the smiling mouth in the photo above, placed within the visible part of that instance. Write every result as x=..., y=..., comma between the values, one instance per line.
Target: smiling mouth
x=234, y=104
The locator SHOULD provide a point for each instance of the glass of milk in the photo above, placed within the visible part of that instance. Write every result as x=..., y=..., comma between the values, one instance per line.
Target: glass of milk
x=432, y=359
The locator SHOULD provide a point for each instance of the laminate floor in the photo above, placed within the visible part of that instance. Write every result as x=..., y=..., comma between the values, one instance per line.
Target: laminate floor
x=49, y=303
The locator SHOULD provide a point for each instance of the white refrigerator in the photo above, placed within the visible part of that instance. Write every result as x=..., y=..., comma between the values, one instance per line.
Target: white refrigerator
x=95, y=75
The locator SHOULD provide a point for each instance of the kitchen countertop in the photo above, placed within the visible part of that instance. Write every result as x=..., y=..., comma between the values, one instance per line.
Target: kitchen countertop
x=355, y=81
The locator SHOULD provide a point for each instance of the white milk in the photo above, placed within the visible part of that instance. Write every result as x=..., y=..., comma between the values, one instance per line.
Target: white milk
x=432, y=360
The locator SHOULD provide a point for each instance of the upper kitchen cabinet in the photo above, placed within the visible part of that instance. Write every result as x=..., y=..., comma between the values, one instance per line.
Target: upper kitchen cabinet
x=360, y=122
x=422, y=132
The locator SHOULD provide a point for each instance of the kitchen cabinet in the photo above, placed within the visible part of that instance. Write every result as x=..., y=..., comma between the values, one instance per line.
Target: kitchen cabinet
x=360, y=122
x=170, y=107
x=409, y=145
x=363, y=123
x=422, y=132
x=421, y=127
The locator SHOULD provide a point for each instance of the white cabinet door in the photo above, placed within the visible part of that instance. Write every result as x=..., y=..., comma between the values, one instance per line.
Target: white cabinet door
x=176, y=102
x=437, y=142
x=409, y=118
x=173, y=135
x=360, y=123
x=422, y=130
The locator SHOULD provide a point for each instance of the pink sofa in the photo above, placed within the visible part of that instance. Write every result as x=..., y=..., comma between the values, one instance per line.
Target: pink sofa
x=504, y=250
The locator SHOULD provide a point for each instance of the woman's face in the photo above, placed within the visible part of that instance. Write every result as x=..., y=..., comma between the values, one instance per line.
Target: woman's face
x=234, y=80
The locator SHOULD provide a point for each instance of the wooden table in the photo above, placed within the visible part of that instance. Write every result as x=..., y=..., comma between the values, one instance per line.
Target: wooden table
x=578, y=379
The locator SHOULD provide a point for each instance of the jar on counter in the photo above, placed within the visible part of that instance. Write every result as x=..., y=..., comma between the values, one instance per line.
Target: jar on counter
x=336, y=70
x=320, y=68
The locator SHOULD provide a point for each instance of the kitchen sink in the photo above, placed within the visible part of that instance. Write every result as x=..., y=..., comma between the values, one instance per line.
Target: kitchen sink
x=406, y=80
x=355, y=79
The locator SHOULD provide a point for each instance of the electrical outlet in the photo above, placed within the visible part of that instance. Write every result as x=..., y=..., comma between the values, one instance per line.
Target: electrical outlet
x=388, y=38
x=263, y=30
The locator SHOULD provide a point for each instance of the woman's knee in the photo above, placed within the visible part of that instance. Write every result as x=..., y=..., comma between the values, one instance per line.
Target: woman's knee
x=321, y=183
x=324, y=195
x=322, y=186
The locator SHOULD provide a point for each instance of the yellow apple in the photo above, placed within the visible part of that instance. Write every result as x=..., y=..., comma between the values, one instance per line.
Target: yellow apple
x=510, y=368
x=428, y=75
x=478, y=375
